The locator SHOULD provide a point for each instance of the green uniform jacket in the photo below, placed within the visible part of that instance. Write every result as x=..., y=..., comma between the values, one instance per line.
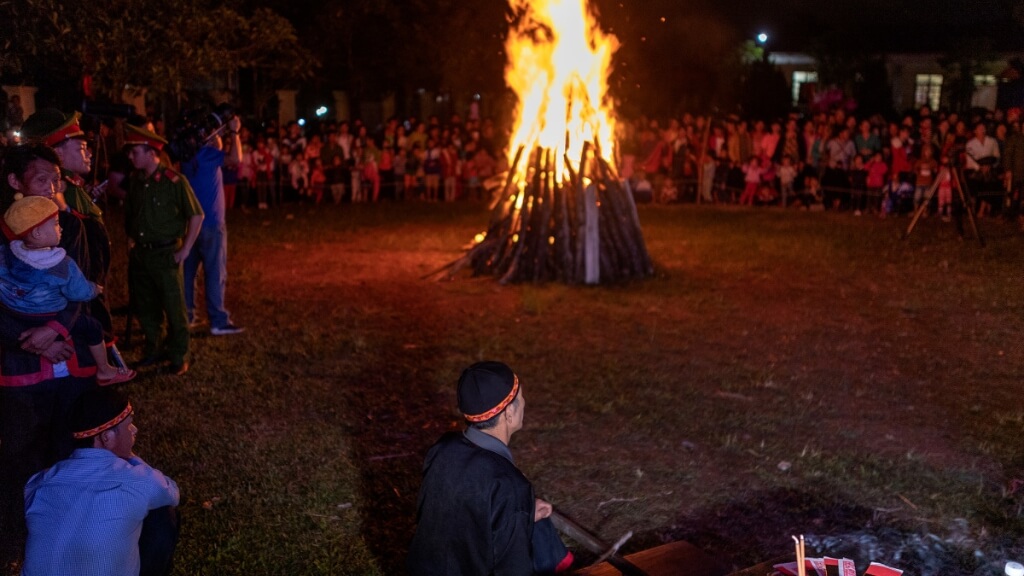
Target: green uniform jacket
x=158, y=207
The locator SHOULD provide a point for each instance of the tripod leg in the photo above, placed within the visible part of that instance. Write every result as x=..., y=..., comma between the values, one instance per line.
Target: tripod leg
x=920, y=209
x=967, y=208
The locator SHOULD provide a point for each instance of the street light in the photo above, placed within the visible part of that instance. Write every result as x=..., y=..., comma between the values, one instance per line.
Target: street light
x=762, y=38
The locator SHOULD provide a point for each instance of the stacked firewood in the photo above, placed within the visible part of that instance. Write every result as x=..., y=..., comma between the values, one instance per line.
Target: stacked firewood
x=581, y=228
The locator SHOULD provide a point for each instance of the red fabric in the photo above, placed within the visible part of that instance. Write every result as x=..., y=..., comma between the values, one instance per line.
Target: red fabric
x=566, y=563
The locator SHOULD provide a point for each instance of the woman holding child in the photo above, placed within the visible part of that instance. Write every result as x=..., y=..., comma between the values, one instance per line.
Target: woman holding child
x=41, y=373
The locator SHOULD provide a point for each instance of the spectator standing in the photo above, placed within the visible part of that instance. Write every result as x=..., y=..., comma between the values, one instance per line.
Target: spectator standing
x=205, y=175
x=787, y=176
x=925, y=169
x=876, y=169
x=1013, y=162
x=432, y=169
x=752, y=180
x=867, y=141
x=263, y=171
x=979, y=147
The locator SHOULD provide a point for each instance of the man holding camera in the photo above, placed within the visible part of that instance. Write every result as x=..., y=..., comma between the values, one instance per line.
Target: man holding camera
x=204, y=173
x=162, y=219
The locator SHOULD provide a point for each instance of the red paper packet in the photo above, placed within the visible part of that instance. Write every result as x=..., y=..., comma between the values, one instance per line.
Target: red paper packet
x=876, y=569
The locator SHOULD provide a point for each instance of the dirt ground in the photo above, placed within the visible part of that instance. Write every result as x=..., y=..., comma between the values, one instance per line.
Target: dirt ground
x=781, y=374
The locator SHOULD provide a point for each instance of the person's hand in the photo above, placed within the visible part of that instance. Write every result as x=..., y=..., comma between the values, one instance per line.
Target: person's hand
x=235, y=124
x=38, y=340
x=541, y=510
x=99, y=289
x=58, y=352
x=180, y=255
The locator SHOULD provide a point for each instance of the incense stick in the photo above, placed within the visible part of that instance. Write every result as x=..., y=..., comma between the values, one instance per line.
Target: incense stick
x=801, y=568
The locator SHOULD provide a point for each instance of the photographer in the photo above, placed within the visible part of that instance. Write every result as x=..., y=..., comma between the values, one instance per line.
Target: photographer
x=205, y=175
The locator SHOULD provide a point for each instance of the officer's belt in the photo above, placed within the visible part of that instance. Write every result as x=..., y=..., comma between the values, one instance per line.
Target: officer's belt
x=157, y=245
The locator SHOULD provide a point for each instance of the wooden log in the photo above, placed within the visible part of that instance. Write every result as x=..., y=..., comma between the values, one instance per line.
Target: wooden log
x=541, y=271
x=675, y=558
x=510, y=267
x=592, y=253
x=563, y=240
x=581, y=216
x=628, y=218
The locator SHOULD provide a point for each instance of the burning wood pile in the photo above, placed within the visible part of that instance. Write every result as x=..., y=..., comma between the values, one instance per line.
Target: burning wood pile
x=562, y=213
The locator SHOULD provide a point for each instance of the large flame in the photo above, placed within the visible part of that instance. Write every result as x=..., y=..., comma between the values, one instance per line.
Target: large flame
x=558, y=66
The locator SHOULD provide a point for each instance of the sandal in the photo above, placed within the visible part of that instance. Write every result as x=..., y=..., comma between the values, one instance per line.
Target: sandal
x=123, y=375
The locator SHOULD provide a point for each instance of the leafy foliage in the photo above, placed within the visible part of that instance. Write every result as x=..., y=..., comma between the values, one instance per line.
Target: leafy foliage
x=164, y=46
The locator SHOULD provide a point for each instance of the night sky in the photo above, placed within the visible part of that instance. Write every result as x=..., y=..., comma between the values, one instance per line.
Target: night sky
x=916, y=25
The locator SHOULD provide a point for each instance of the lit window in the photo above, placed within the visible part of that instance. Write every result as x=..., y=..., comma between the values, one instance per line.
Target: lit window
x=984, y=80
x=799, y=79
x=928, y=90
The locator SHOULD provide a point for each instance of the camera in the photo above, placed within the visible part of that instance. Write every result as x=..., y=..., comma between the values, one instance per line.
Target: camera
x=196, y=128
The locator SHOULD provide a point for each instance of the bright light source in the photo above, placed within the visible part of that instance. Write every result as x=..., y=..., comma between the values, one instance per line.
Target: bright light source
x=321, y=111
x=762, y=37
x=302, y=121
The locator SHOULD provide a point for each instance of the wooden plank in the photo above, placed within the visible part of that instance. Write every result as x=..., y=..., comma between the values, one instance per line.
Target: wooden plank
x=592, y=242
x=672, y=559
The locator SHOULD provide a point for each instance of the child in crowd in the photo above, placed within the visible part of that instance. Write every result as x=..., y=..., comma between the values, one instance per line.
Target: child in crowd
x=38, y=279
x=336, y=178
x=787, y=176
x=811, y=198
x=945, y=190
x=876, y=169
x=752, y=180
x=400, y=168
x=643, y=191
x=925, y=168
x=317, y=180
x=896, y=195
x=298, y=170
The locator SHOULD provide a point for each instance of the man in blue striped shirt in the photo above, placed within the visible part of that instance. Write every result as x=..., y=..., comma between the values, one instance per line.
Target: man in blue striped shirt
x=86, y=514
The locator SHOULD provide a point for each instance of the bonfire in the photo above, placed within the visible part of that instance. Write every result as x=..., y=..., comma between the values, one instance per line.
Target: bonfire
x=561, y=212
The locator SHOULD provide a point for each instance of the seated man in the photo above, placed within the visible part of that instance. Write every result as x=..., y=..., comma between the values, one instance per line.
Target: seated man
x=476, y=512
x=103, y=511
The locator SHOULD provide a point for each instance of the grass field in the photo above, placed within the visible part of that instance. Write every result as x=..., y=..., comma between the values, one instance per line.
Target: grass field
x=784, y=372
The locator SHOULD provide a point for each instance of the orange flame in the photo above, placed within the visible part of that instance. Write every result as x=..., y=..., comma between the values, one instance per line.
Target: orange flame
x=559, y=62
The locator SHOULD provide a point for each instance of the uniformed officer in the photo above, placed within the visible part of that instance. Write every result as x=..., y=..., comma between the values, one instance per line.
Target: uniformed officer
x=63, y=133
x=162, y=220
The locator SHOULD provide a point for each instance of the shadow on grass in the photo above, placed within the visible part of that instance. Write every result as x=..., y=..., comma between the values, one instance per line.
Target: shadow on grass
x=401, y=419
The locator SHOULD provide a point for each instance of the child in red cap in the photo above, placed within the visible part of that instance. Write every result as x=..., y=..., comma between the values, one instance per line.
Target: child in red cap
x=38, y=279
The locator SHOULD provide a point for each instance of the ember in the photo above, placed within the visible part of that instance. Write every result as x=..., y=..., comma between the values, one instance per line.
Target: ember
x=561, y=212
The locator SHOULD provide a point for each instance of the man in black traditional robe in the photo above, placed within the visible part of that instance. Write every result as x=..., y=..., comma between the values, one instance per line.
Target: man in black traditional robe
x=477, y=514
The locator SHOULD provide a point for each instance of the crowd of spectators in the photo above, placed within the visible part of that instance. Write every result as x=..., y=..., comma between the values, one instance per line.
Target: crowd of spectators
x=351, y=162
x=825, y=161
x=832, y=161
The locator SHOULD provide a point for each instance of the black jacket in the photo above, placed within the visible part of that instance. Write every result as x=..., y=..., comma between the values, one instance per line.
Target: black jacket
x=474, y=515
